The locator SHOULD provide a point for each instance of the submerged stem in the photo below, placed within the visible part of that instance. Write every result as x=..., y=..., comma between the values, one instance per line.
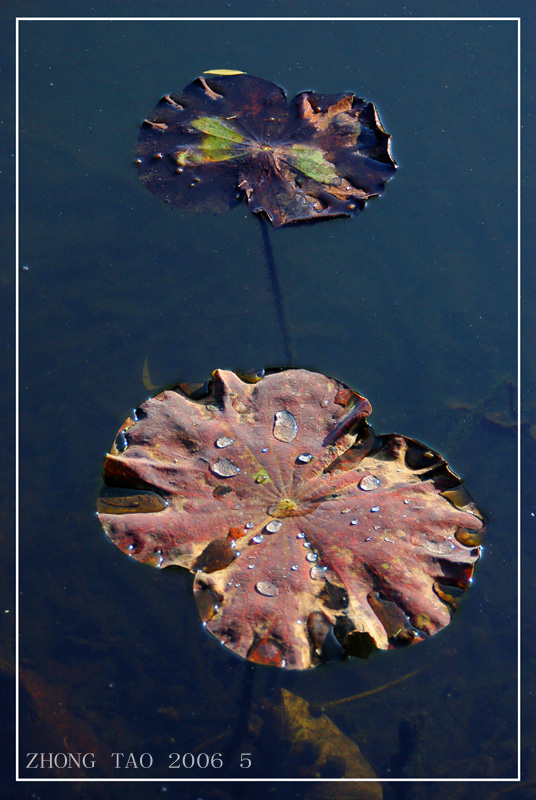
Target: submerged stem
x=241, y=728
x=371, y=691
x=276, y=288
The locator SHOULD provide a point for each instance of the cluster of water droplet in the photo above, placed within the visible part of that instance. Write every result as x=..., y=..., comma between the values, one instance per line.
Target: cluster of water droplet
x=285, y=429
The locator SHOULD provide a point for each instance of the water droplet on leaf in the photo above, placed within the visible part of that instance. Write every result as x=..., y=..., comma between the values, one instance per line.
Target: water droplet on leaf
x=223, y=441
x=274, y=526
x=317, y=572
x=225, y=468
x=285, y=426
x=267, y=588
x=369, y=483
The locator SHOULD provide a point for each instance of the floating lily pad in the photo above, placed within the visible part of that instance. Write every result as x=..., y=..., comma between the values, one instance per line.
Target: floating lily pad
x=307, y=533
x=233, y=136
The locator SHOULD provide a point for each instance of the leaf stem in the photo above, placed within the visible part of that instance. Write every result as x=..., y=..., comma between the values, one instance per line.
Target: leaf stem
x=276, y=288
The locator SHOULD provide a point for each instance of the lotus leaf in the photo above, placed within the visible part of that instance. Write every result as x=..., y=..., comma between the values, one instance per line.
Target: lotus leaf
x=233, y=136
x=306, y=531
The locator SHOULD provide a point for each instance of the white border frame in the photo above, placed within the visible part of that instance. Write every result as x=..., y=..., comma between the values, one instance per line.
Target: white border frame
x=17, y=388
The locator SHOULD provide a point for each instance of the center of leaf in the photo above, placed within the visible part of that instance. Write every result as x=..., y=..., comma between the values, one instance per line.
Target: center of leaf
x=285, y=508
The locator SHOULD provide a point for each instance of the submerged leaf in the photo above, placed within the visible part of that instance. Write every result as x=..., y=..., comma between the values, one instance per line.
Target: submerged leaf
x=231, y=135
x=310, y=533
x=331, y=753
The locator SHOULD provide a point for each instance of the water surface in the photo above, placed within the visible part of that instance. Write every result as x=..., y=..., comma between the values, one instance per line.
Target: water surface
x=413, y=304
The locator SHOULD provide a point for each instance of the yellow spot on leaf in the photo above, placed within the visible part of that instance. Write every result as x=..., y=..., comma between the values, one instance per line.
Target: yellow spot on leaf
x=223, y=72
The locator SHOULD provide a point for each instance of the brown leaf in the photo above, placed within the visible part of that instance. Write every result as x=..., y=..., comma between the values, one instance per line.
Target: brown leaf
x=332, y=753
x=232, y=136
x=299, y=523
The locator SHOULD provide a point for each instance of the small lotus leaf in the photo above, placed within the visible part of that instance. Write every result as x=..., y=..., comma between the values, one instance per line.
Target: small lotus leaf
x=304, y=539
x=233, y=136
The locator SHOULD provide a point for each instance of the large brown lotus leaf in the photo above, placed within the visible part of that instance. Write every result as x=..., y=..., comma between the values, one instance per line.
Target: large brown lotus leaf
x=235, y=136
x=295, y=518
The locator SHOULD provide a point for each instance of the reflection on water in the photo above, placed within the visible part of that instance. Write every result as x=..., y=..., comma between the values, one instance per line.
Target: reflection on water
x=413, y=304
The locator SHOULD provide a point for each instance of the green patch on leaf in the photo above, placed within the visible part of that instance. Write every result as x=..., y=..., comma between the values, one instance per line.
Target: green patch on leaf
x=219, y=143
x=215, y=149
x=217, y=128
x=262, y=477
x=312, y=162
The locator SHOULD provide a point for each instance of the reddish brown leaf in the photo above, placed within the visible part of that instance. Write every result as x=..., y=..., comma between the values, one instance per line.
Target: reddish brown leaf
x=235, y=136
x=298, y=521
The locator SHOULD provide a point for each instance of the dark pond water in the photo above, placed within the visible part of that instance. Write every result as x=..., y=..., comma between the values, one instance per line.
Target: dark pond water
x=413, y=304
